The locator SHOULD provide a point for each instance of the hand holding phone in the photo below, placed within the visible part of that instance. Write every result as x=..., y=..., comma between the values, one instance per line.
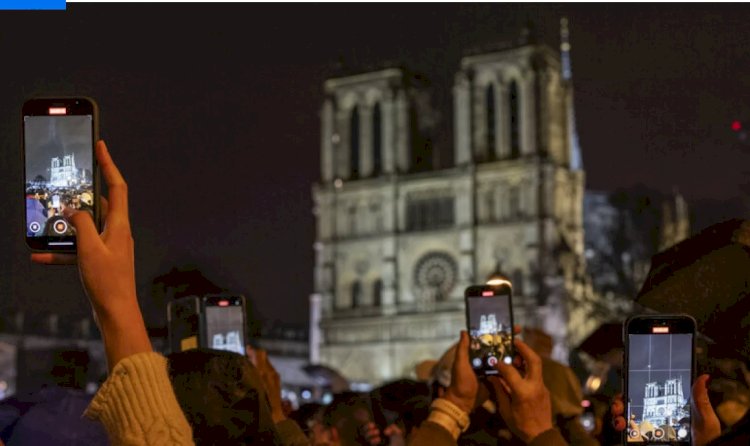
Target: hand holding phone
x=659, y=374
x=60, y=169
x=489, y=320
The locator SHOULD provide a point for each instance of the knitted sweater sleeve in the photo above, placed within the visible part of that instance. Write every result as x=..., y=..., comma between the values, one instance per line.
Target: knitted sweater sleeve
x=137, y=405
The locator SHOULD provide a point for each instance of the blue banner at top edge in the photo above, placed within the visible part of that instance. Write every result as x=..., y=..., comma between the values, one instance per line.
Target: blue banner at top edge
x=32, y=5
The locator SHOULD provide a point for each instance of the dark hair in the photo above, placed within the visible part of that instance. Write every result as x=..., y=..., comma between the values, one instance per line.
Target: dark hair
x=70, y=368
x=306, y=415
x=223, y=398
x=348, y=412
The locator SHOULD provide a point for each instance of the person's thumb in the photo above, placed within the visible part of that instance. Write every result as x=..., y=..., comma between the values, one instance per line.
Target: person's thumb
x=86, y=234
x=705, y=426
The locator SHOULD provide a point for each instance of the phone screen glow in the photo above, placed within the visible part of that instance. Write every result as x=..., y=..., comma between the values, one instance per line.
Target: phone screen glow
x=225, y=328
x=490, y=331
x=59, y=172
x=659, y=381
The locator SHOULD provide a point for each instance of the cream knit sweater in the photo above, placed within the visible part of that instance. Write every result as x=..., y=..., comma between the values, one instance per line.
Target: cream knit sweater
x=137, y=405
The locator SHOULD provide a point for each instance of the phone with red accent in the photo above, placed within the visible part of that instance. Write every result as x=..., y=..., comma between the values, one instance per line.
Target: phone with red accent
x=60, y=169
x=659, y=370
x=213, y=321
x=489, y=320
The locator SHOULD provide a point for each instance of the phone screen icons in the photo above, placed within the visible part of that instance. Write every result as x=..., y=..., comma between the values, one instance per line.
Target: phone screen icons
x=35, y=227
x=60, y=226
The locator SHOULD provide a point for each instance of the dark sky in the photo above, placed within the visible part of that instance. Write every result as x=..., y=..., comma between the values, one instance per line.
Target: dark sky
x=211, y=112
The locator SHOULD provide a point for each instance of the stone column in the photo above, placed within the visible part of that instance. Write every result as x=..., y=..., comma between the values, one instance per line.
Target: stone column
x=403, y=149
x=388, y=297
x=388, y=119
x=341, y=150
x=462, y=119
x=479, y=138
x=528, y=118
x=326, y=141
x=316, y=335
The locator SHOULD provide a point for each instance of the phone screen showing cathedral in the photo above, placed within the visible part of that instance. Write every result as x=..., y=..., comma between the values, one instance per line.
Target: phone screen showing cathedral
x=490, y=332
x=59, y=172
x=659, y=383
x=225, y=329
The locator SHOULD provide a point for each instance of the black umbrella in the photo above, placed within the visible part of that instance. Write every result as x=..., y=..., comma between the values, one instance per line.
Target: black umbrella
x=606, y=338
x=327, y=376
x=708, y=277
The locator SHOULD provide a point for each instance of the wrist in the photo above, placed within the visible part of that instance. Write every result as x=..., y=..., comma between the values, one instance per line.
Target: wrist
x=451, y=417
x=462, y=403
x=277, y=416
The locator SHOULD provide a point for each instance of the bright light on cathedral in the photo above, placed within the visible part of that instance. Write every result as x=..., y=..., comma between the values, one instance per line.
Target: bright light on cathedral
x=63, y=172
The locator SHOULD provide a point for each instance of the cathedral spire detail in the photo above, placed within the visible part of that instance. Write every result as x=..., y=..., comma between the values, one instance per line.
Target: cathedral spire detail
x=576, y=160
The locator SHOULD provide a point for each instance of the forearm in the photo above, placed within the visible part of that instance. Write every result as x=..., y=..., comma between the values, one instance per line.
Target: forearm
x=123, y=332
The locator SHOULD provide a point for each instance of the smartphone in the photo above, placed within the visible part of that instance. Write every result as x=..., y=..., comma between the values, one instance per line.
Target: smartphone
x=224, y=322
x=183, y=323
x=489, y=320
x=60, y=169
x=659, y=373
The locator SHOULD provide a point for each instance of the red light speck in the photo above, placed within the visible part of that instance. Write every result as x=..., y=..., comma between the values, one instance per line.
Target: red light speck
x=736, y=126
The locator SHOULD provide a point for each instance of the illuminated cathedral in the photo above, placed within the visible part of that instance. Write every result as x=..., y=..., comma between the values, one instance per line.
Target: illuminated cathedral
x=398, y=241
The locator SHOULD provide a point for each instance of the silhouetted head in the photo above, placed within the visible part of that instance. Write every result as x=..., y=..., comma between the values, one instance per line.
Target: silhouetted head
x=70, y=368
x=347, y=415
x=223, y=398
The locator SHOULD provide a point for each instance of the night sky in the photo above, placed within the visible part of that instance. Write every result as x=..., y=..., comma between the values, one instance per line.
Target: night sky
x=211, y=113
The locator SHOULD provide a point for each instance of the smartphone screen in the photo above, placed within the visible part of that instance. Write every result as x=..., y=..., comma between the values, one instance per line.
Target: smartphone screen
x=490, y=325
x=225, y=323
x=59, y=168
x=660, y=370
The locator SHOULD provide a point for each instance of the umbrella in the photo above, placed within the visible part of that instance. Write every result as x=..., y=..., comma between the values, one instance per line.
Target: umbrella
x=606, y=338
x=708, y=277
x=327, y=376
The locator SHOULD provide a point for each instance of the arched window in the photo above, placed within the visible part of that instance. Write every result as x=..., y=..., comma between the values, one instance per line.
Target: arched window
x=354, y=143
x=377, y=141
x=515, y=120
x=490, y=115
x=55, y=162
x=356, y=294
x=377, y=293
x=514, y=202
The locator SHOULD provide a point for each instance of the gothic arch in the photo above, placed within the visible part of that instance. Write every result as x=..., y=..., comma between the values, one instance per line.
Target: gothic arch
x=514, y=118
x=377, y=293
x=356, y=291
x=354, y=142
x=377, y=139
x=490, y=107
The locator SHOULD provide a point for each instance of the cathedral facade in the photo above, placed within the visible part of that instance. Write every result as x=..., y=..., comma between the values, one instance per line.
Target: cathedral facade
x=396, y=245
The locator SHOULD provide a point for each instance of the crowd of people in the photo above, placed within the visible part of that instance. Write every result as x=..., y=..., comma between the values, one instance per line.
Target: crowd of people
x=211, y=397
x=45, y=206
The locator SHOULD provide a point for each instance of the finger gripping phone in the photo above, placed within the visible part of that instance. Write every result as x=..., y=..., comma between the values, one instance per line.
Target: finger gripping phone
x=659, y=374
x=489, y=320
x=60, y=169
